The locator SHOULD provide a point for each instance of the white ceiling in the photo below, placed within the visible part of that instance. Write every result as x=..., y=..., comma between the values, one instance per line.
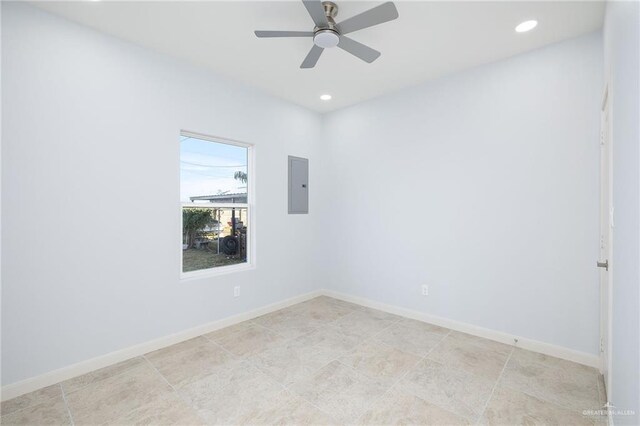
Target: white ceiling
x=428, y=40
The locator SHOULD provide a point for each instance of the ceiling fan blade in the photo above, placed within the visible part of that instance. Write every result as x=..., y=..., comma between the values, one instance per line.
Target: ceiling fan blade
x=263, y=34
x=316, y=10
x=378, y=15
x=363, y=52
x=312, y=57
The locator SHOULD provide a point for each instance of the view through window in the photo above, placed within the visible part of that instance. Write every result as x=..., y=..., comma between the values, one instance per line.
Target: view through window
x=214, y=185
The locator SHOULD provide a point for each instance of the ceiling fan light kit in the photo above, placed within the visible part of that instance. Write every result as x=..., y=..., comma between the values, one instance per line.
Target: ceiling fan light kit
x=326, y=38
x=327, y=34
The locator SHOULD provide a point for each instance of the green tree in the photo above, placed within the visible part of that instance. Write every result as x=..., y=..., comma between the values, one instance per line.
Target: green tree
x=194, y=221
x=241, y=176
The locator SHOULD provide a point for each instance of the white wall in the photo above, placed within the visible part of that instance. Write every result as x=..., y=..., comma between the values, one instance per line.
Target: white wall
x=90, y=187
x=483, y=185
x=622, y=70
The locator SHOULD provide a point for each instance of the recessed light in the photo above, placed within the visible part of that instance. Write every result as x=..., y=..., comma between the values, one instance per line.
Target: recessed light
x=325, y=97
x=526, y=26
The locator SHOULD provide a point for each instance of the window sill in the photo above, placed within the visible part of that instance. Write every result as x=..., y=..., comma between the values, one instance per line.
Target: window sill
x=214, y=272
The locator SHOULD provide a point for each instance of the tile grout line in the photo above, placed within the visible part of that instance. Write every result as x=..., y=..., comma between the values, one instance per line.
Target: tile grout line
x=153, y=367
x=495, y=385
x=283, y=386
x=329, y=325
x=64, y=394
x=364, y=340
x=606, y=421
x=236, y=358
x=544, y=398
x=175, y=391
x=288, y=339
x=26, y=407
x=600, y=390
x=337, y=359
x=324, y=326
x=252, y=361
x=66, y=404
x=294, y=393
x=599, y=394
x=126, y=370
x=406, y=373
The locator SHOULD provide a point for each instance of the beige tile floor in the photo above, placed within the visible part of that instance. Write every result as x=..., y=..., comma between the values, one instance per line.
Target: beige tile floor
x=324, y=361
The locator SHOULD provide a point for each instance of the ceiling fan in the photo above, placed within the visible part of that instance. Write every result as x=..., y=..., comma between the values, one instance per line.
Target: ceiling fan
x=327, y=33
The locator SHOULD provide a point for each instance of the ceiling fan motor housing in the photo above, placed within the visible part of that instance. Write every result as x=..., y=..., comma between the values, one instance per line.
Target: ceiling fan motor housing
x=327, y=37
x=330, y=9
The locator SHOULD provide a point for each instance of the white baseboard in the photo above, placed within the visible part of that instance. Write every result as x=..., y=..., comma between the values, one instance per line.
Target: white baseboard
x=498, y=336
x=29, y=385
x=34, y=383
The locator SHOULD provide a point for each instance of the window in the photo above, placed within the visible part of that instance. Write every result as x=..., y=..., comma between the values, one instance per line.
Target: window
x=215, y=194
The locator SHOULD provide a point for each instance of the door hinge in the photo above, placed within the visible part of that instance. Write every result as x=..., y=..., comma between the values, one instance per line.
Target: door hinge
x=604, y=264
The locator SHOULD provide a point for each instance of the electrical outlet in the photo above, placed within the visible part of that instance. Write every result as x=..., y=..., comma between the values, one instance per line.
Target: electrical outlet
x=425, y=290
x=236, y=291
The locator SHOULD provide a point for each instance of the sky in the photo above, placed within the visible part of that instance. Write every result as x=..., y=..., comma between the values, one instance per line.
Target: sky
x=207, y=168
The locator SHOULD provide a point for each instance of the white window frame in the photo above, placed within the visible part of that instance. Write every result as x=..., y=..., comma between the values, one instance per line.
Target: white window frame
x=249, y=205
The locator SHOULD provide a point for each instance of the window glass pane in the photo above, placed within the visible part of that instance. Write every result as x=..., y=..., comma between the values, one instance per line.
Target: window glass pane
x=212, y=176
x=212, y=172
x=213, y=236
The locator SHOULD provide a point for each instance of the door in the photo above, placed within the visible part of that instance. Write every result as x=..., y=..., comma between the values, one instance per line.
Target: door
x=606, y=225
